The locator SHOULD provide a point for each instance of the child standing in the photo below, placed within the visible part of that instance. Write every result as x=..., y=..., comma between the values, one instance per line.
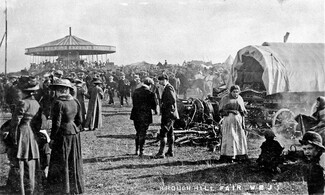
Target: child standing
x=313, y=149
x=270, y=156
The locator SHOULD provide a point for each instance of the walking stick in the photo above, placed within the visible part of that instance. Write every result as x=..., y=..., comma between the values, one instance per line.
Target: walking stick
x=302, y=125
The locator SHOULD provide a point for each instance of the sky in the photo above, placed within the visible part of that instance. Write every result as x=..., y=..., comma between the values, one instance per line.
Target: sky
x=155, y=30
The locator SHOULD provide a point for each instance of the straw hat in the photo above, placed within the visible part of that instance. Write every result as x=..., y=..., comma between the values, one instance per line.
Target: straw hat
x=62, y=83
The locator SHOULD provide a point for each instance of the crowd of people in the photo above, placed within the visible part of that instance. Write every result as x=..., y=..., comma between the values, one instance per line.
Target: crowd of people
x=60, y=97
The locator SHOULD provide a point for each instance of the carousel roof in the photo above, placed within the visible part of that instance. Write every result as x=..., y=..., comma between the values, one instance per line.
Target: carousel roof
x=67, y=44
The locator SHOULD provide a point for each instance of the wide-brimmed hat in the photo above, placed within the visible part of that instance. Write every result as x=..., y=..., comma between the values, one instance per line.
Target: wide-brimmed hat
x=61, y=83
x=163, y=77
x=27, y=83
x=313, y=138
x=148, y=81
x=59, y=72
x=78, y=81
x=12, y=76
x=96, y=81
x=47, y=74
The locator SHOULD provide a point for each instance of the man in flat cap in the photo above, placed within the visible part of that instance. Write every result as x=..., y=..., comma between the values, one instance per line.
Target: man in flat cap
x=135, y=83
x=111, y=86
x=169, y=114
x=123, y=89
x=143, y=102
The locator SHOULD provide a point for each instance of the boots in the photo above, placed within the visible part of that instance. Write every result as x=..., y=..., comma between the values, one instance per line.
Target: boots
x=169, y=152
x=136, y=146
x=160, y=153
x=141, y=144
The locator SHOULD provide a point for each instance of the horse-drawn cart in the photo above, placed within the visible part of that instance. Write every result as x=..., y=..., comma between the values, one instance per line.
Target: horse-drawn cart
x=278, y=110
x=278, y=82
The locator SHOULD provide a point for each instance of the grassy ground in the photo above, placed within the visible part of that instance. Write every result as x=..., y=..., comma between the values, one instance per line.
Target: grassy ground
x=111, y=168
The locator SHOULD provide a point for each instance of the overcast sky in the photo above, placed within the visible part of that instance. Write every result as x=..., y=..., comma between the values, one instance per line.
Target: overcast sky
x=155, y=30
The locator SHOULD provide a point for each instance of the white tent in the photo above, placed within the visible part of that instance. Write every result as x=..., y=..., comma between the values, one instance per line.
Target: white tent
x=229, y=60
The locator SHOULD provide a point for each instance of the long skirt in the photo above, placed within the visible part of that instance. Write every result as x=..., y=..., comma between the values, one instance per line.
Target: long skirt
x=234, y=141
x=65, y=171
x=25, y=175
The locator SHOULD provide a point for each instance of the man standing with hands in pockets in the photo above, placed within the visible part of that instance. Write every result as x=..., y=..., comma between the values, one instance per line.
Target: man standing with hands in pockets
x=169, y=114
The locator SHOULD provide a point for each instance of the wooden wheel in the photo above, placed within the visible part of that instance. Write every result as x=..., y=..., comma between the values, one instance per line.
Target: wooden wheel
x=283, y=122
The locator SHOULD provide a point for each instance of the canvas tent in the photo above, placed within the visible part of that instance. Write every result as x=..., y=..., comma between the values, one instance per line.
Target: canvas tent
x=280, y=67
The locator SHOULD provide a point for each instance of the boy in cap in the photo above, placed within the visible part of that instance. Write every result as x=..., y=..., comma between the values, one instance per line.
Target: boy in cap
x=270, y=156
x=313, y=150
x=111, y=88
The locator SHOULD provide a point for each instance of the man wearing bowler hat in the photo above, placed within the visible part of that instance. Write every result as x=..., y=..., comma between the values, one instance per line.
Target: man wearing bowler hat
x=169, y=114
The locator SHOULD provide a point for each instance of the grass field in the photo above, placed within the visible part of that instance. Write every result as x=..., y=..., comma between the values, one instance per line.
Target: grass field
x=111, y=168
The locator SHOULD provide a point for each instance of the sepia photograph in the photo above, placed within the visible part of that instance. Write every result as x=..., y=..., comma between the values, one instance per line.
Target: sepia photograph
x=162, y=97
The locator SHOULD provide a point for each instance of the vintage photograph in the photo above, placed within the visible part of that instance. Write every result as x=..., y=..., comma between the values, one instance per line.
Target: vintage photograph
x=162, y=97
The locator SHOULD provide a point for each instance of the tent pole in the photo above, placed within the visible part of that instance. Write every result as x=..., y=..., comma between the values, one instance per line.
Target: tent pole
x=6, y=33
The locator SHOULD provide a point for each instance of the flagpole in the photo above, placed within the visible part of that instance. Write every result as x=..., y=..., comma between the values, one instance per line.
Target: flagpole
x=6, y=33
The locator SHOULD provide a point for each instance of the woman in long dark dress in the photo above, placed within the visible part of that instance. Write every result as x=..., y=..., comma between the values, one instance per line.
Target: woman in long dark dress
x=94, y=118
x=23, y=151
x=65, y=171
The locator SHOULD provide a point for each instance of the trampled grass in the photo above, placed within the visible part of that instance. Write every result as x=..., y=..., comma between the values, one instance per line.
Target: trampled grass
x=111, y=168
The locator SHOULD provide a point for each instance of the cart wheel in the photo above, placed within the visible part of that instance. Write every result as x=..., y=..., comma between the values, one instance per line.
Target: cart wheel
x=282, y=117
x=284, y=122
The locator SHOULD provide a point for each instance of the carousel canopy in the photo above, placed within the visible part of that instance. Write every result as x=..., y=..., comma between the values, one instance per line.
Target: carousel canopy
x=67, y=44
